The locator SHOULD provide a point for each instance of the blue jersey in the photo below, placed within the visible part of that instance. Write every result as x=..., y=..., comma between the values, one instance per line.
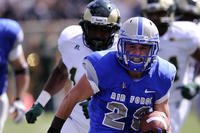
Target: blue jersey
x=9, y=30
x=114, y=106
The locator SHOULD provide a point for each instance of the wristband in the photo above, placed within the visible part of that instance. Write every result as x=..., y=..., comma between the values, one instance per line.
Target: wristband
x=57, y=123
x=43, y=98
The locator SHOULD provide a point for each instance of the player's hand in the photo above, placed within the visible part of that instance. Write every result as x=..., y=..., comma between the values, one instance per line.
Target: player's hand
x=35, y=111
x=158, y=130
x=189, y=91
x=17, y=109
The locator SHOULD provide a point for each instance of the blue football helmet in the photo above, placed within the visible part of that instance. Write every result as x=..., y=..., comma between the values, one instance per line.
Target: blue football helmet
x=140, y=31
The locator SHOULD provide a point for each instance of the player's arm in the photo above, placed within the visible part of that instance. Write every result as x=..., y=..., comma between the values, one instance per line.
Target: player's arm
x=21, y=73
x=57, y=79
x=81, y=91
x=163, y=107
x=22, y=81
x=54, y=84
x=190, y=90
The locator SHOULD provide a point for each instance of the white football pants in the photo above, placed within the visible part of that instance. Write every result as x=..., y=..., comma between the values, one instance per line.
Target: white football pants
x=4, y=106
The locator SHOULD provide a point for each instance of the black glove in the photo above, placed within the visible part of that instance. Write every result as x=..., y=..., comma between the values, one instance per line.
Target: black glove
x=56, y=125
x=190, y=90
x=35, y=111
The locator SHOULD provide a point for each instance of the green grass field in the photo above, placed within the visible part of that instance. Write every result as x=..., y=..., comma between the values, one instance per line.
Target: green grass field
x=192, y=125
x=40, y=126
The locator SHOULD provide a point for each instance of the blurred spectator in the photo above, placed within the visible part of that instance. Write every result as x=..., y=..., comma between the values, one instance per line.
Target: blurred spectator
x=58, y=9
x=41, y=9
x=128, y=8
x=69, y=8
x=14, y=8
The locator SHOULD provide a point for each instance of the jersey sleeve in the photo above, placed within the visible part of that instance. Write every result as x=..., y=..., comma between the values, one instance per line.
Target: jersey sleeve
x=94, y=69
x=17, y=48
x=66, y=38
x=91, y=75
x=189, y=33
x=66, y=42
x=15, y=52
x=16, y=34
x=166, y=76
x=195, y=37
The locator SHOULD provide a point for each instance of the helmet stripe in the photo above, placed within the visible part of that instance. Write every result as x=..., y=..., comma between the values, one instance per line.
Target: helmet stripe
x=140, y=26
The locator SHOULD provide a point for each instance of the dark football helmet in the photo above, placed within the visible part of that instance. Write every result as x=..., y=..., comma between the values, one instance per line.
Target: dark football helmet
x=100, y=22
x=188, y=10
x=161, y=12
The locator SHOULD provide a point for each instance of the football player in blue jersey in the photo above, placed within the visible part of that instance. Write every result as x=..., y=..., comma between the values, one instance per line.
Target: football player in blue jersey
x=11, y=51
x=123, y=84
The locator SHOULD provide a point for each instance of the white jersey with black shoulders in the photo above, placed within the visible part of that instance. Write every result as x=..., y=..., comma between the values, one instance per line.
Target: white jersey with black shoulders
x=72, y=49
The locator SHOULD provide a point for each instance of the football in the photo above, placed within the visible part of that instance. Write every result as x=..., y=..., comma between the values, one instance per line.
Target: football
x=154, y=120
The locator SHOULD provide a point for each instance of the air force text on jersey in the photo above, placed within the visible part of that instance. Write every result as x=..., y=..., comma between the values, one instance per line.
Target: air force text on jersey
x=131, y=99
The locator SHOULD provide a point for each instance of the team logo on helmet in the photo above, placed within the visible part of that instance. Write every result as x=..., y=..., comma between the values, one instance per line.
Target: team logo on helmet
x=100, y=14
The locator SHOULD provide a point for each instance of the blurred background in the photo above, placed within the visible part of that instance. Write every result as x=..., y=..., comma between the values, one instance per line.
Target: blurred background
x=42, y=22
